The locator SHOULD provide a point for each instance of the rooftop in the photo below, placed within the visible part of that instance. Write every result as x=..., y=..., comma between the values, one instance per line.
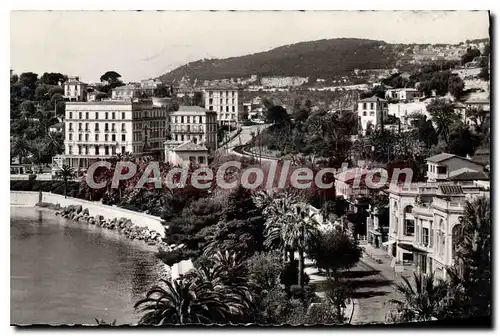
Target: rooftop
x=190, y=146
x=125, y=87
x=440, y=157
x=470, y=176
x=222, y=86
x=186, y=108
x=372, y=99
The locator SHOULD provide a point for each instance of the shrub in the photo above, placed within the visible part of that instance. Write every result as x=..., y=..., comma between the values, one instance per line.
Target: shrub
x=170, y=258
x=32, y=177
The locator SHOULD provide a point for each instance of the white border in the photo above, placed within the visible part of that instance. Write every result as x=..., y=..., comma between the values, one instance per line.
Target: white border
x=188, y=5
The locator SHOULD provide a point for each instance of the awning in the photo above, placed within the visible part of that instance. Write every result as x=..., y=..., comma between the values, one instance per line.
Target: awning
x=411, y=248
x=389, y=242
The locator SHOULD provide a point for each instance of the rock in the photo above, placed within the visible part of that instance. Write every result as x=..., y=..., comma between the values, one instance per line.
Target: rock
x=57, y=213
x=85, y=212
x=79, y=209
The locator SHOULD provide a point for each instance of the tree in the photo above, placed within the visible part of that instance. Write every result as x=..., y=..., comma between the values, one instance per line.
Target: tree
x=421, y=301
x=198, y=99
x=29, y=80
x=241, y=227
x=28, y=108
x=53, y=78
x=112, y=79
x=277, y=115
x=480, y=118
x=181, y=302
x=462, y=141
x=264, y=268
x=333, y=251
x=162, y=92
x=443, y=115
x=470, y=55
x=20, y=148
x=471, y=273
x=456, y=86
x=66, y=173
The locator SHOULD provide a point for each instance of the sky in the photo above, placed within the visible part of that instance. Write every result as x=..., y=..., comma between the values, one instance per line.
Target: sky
x=140, y=45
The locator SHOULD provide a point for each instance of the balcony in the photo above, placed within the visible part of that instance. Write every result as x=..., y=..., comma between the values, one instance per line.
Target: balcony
x=448, y=205
x=71, y=130
x=96, y=130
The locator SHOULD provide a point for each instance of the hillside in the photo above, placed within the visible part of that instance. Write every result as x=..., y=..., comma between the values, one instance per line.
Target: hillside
x=316, y=59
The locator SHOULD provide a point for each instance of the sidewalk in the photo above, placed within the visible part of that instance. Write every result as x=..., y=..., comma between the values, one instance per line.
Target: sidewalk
x=316, y=279
x=370, y=257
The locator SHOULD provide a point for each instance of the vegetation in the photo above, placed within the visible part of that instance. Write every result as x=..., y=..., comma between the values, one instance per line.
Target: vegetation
x=331, y=57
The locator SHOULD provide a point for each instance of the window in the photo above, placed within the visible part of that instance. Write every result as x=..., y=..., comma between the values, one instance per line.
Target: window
x=201, y=159
x=409, y=227
x=86, y=137
x=105, y=115
x=79, y=150
x=234, y=109
x=70, y=126
x=105, y=137
x=113, y=137
x=96, y=127
x=79, y=126
x=182, y=137
x=227, y=101
x=364, y=106
x=70, y=136
x=70, y=115
x=106, y=127
x=123, y=127
x=182, y=119
x=113, y=129
x=79, y=115
x=210, y=108
x=123, y=115
x=123, y=137
x=441, y=170
x=97, y=137
x=70, y=149
x=372, y=113
x=364, y=113
x=97, y=115
x=188, y=119
x=86, y=150
x=106, y=150
x=425, y=237
x=221, y=101
x=227, y=108
x=233, y=116
x=200, y=119
x=210, y=101
x=123, y=149
x=96, y=150
x=86, y=115
x=112, y=115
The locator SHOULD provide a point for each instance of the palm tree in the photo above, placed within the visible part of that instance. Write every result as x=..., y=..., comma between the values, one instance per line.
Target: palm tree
x=20, y=147
x=298, y=234
x=422, y=301
x=182, y=301
x=470, y=275
x=289, y=227
x=66, y=173
x=228, y=276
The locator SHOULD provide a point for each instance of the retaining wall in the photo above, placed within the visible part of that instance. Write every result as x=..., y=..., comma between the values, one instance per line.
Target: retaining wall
x=30, y=198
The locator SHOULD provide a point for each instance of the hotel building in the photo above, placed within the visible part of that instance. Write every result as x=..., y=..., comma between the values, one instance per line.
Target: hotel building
x=225, y=100
x=424, y=217
x=99, y=130
x=195, y=124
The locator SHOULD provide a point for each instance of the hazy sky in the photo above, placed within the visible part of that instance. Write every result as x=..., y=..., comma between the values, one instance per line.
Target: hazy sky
x=140, y=45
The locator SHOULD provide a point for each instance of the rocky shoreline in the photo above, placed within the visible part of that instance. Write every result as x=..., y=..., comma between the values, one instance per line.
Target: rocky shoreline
x=123, y=225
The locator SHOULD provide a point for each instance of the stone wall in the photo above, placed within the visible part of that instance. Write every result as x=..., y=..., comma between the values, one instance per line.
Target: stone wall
x=30, y=198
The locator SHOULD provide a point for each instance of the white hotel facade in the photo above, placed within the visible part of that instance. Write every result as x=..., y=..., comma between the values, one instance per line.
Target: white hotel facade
x=225, y=100
x=424, y=217
x=99, y=130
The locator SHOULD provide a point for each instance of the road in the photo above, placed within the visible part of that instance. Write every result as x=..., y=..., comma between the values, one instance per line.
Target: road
x=244, y=137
